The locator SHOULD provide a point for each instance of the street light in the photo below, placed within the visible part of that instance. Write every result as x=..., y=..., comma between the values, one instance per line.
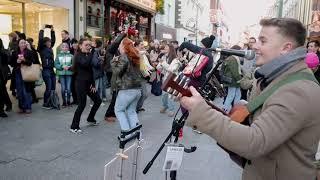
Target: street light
x=199, y=7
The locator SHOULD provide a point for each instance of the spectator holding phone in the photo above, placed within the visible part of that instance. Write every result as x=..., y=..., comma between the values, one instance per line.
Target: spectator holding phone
x=45, y=45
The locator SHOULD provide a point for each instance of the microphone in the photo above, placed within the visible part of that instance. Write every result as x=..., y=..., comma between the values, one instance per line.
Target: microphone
x=248, y=54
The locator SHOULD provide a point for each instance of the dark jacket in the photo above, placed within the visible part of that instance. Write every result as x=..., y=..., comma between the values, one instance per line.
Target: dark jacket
x=97, y=62
x=196, y=49
x=46, y=54
x=112, y=51
x=231, y=71
x=4, y=62
x=124, y=74
x=35, y=56
x=27, y=55
x=83, y=67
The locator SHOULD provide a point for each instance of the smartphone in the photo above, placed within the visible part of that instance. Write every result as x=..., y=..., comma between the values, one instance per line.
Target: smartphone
x=48, y=26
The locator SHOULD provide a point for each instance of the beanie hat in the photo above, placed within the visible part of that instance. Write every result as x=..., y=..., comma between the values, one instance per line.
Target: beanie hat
x=207, y=41
x=312, y=60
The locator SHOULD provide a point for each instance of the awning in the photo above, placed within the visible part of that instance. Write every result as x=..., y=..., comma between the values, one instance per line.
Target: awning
x=144, y=5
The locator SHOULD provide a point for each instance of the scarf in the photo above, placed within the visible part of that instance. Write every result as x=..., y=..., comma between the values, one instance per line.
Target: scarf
x=279, y=65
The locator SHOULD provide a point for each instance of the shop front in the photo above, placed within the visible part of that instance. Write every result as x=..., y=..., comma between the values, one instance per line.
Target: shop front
x=115, y=15
x=165, y=33
x=29, y=17
x=314, y=27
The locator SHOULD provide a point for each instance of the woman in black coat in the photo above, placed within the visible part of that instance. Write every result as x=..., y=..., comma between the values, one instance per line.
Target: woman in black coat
x=85, y=85
x=23, y=56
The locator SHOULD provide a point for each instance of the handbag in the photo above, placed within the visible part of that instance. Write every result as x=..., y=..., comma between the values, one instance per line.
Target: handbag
x=156, y=85
x=246, y=82
x=30, y=73
x=195, y=65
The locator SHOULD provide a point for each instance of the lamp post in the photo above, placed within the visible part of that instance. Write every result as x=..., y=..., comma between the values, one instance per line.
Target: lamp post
x=280, y=9
x=199, y=7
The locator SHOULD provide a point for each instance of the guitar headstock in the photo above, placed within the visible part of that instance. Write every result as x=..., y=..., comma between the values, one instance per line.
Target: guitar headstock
x=177, y=85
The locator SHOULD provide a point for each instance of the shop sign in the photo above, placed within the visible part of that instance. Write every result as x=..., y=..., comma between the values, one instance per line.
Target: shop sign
x=215, y=16
x=148, y=4
x=166, y=36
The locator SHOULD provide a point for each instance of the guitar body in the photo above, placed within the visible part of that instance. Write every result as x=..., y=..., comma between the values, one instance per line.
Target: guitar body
x=178, y=86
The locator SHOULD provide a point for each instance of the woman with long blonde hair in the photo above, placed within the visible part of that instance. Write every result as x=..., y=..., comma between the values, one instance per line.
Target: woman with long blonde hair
x=127, y=81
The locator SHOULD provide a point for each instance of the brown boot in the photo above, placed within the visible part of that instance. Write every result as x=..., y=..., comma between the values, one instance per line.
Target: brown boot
x=110, y=119
x=163, y=110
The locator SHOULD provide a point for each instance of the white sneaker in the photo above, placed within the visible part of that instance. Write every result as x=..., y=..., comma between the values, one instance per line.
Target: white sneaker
x=76, y=131
x=196, y=131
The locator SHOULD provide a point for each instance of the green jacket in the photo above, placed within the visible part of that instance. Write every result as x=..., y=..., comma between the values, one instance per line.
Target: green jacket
x=124, y=74
x=63, y=59
x=232, y=71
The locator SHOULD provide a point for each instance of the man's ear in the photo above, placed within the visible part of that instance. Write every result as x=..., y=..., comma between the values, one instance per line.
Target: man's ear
x=287, y=47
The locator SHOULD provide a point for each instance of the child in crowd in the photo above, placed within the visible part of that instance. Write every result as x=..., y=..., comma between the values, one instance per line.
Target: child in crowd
x=63, y=65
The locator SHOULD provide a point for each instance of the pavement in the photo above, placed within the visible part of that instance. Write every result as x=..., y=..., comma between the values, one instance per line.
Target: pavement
x=39, y=146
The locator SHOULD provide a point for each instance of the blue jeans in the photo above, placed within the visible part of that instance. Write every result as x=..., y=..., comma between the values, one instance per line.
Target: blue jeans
x=101, y=88
x=143, y=95
x=167, y=102
x=49, y=79
x=234, y=95
x=125, y=108
x=24, y=97
x=65, y=82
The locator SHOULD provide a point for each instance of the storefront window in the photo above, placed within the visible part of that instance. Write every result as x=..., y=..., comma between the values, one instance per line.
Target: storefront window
x=36, y=16
x=10, y=18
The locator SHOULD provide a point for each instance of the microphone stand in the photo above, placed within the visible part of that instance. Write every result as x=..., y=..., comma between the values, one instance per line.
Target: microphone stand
x=177, y=125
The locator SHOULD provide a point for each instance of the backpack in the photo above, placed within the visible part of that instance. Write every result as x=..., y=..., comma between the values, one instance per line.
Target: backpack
x=54, y=100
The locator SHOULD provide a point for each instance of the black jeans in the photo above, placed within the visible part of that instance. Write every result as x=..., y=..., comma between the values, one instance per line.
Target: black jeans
x=2, y=96
x=5, y=96
x=110, y=110
x=49, y=79
x=73, y=89
x=83, y=89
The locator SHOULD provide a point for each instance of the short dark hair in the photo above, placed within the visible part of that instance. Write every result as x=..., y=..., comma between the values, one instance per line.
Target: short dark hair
x=46, y=39
x=174, y=42
x=83, y=40
x=253, y=38
x=98, y=43
x=137, y=42
x=65, y=31
x=30, y=40
x=236, y=47
x=289, y=27
x=316, y=42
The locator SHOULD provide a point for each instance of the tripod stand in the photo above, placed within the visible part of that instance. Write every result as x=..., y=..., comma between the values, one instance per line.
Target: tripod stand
x=125, y=165
x=177, y=125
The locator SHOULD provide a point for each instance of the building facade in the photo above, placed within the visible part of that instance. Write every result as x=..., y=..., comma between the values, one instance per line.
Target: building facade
x=105, y=18
x=219, y=22
x=164, y=26
x=192, y=17
x=29, y=16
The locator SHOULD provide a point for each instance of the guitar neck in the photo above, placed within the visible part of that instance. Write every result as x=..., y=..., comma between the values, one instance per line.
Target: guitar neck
x=216, y=107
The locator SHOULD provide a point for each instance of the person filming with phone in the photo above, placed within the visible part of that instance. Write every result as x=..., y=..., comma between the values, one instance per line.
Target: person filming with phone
x=45, y=45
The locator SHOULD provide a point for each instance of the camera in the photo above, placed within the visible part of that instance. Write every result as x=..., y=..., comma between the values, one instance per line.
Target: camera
x=48, y=26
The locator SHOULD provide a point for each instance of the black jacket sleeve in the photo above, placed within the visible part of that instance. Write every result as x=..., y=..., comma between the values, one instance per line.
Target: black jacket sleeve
x=113, y=48
x=191, y=47
x=40, y=40
x=53, y=38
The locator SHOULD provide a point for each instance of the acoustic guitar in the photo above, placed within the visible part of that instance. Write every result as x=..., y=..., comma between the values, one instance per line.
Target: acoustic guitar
x=177, y=85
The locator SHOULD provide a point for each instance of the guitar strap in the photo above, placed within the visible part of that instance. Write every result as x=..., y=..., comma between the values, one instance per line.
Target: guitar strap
x=257, y=102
